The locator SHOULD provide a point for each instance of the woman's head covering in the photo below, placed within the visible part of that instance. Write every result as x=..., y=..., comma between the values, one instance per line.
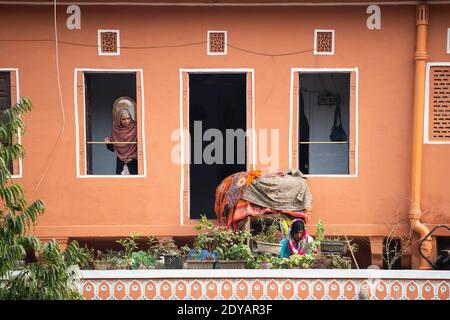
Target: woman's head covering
x=294, y=246
x=296, y=226
x=124, y=134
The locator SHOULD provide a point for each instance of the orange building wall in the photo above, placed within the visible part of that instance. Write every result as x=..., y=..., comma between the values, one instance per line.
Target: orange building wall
x=436, y=172
x=151, y=205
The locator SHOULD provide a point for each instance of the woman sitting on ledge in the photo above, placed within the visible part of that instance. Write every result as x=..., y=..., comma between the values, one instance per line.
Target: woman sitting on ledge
x=297, y=241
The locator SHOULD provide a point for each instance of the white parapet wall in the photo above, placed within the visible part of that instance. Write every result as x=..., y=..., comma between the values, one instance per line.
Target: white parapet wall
x=311, y=284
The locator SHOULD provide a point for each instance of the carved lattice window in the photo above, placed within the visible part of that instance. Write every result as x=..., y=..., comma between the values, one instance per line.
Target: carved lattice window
x=324, y=42
x=439, y=103
x=217, y=43
x=109, y=42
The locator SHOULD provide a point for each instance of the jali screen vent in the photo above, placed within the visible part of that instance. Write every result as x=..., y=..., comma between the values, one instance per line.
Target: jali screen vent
x=217, y=42
x=440, y=103
x=324, y=42
x=109, y=42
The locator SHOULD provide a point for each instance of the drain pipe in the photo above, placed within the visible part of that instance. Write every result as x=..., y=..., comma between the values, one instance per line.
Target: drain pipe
x=420, y=57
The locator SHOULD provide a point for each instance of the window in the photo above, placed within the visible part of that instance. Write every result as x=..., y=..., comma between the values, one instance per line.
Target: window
x=325, y=122
x=98, y=93
x=8, y=96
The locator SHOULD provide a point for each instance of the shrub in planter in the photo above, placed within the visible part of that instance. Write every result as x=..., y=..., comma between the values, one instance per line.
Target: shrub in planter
x=293, y=262
x=142, y=260
x=112, y=260
x=172, y=255
x=237, y=256
x=264, y=260
x=228, y=244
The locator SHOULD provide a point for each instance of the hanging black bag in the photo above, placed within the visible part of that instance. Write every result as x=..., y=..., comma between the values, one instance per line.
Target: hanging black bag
x=337, y=131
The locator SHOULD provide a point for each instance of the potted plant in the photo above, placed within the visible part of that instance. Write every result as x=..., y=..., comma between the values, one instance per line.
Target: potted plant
x=172, y=255
x=202, y=255
x=265, y=260
x=111, y=260
x=142, y=260
x=219, y=243
x=201, y=260
x=293, y=262
x=237, y=256
x=268, y=239
x=232, y=249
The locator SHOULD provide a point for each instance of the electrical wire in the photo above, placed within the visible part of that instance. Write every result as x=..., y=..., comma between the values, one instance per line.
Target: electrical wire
x=61, y=104
x=162, y=46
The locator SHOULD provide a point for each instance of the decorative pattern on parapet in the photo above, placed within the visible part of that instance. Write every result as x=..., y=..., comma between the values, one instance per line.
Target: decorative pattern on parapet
x=266, y=288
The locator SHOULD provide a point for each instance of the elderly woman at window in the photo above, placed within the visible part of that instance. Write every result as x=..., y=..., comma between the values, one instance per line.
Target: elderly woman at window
x=124, y=130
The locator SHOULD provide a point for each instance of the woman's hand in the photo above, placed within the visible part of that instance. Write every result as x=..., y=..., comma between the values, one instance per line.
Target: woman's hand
x=107, y=140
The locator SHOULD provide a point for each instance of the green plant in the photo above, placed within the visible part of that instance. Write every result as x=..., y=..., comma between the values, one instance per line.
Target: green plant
x=87, y=260
x=227, y=244
x=129, y=244
x=153, y=245
x=167, y=247
x=142, y=259
x=332, y=261
x=54, y=275
x=293, y=262
x=271, y=233
x=339, y=262
x=113, y=260
x=264, y=257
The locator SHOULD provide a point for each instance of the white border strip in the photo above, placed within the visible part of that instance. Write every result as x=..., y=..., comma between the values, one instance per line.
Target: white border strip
x=315, y=42
x=183, y=160
x=291, y=120
x=199, y=4
x=426, y=118
x=144, y=162
x=19, y=134
x=99, y=42
x=271, y=273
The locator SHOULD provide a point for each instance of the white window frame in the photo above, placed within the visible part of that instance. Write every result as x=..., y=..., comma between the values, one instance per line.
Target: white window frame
x=332, y=41
x=209, y=53
x=19, y=135
x=99, y=41
x=185, y=143
x=426, y=109
x=140, y=112
x=294, y=122
x=448, y=40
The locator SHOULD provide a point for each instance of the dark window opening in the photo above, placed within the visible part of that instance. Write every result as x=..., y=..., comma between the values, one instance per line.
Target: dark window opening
x=324, y=123
x=5, y=103
x=101, y=91
x=443, y=253
x=217, y=101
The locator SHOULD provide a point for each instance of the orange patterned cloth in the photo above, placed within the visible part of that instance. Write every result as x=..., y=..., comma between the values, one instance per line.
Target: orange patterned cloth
x=230, y=191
